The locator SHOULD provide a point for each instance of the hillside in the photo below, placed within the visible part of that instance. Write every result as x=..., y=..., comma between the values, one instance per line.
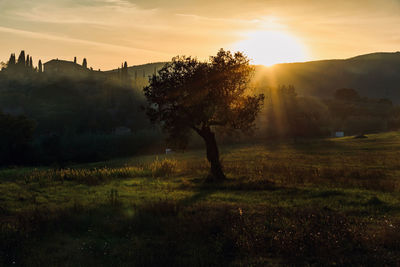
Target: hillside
x=139, y=74
x=374, y=75
x=143, y=70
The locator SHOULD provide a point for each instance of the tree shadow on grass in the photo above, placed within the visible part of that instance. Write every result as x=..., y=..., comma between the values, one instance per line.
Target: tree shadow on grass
x=203, y=189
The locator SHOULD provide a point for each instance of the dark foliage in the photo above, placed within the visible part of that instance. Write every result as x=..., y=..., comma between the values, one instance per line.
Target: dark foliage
x=82, y=110
x=16, y=134
x=189, y=95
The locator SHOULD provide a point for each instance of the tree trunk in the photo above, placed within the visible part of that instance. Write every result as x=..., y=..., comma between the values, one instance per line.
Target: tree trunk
x=216, y=173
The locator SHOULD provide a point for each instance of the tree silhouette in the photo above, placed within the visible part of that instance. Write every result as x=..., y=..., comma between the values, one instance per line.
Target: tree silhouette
x=84, y=63
x=11, y=61
x=16, y=132
x=124, y=73
x=21, y=58
x=347, y=94
x=75, y=60
x=200, y=96
x=40, y=66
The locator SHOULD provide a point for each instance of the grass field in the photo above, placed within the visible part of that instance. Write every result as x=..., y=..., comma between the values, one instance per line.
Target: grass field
x=316, y=202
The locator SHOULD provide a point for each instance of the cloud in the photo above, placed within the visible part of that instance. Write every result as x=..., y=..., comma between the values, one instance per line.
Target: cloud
x=103, y=13
x=225, y=20
x=105, y=46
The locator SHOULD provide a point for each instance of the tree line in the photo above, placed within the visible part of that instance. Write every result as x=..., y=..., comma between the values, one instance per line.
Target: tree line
x=71, y=118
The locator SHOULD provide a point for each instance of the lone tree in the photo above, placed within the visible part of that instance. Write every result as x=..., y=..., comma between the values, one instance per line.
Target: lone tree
x=40, y=66
x=21, y=59
x=189, y=95
x=84, y=63
x=12, y=60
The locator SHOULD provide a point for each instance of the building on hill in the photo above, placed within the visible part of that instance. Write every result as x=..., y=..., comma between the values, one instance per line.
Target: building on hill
x=63, y=67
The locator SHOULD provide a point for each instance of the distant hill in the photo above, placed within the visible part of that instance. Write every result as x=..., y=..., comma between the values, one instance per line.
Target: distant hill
x=142, y=70
x=139, y=74
x=374, y=75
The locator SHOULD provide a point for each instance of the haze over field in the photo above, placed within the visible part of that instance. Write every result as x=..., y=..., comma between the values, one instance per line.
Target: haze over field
x=108, y=32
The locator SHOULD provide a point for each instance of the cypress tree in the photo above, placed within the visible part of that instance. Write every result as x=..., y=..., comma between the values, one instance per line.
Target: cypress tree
x=11, y=61
x=75, y=60
x=40, y=66
x=84, y=63
x=125, y=69
x=124, y=73
x=30, y=63
x=27, y=61
x=21, y=58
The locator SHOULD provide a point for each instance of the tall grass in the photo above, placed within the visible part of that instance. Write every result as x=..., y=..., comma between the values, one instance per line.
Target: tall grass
x=86, y=176
x=163, y=168
x=93, y=176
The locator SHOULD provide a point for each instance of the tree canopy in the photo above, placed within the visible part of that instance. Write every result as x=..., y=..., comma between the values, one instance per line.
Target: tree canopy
x=188, y=94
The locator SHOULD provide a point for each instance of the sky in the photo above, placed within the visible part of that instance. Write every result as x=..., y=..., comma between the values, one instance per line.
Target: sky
x=108, y=32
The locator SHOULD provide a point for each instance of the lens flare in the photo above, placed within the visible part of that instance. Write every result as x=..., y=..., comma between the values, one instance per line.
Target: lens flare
x=272, y=47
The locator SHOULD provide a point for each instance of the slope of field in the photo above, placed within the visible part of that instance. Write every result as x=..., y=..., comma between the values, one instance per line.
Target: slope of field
x=373, y=75
x=320, y=202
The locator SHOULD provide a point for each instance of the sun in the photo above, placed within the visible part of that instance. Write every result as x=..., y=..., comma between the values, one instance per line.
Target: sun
x=272, y=47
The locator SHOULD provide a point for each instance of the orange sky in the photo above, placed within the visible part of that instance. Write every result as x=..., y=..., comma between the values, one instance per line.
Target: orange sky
x=108, y=32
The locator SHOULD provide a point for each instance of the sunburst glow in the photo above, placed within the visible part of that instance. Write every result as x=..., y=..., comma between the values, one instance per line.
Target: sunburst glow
x=272, y=47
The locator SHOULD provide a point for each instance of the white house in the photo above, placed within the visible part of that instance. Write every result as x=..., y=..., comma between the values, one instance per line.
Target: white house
x=339, y=134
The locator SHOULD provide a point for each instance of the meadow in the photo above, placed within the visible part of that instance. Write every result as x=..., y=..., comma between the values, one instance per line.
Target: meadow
x=310, y=202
